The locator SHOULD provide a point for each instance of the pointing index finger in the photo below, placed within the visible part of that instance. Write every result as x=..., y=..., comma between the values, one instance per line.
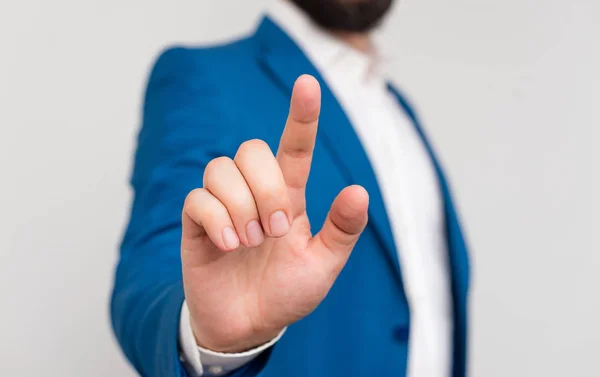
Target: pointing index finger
x=298, y=138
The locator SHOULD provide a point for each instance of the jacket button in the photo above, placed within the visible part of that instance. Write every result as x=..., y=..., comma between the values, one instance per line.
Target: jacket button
x=401, y=334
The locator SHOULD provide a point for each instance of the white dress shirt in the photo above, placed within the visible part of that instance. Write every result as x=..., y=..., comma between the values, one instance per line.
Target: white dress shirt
x=409, y=188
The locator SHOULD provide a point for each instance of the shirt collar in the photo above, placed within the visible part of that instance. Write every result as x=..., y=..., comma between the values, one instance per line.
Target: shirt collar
x=326, y=51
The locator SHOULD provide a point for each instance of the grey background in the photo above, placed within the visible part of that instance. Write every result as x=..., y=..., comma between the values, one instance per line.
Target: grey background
x=509, y=91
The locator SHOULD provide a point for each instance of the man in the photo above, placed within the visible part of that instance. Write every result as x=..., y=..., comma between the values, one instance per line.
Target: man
x=221, y=271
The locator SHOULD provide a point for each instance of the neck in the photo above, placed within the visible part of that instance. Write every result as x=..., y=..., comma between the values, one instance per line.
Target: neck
x=358, y=41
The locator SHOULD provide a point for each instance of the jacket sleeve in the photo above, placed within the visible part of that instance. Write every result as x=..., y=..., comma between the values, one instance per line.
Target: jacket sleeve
x=184, y=127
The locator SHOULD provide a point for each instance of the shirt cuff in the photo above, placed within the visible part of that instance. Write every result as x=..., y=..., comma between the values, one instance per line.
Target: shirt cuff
x=204, y=362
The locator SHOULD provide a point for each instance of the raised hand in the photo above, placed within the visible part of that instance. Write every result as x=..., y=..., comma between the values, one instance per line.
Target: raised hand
x=250, y=263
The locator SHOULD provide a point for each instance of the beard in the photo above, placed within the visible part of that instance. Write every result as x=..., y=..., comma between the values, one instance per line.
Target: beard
x=345, y=15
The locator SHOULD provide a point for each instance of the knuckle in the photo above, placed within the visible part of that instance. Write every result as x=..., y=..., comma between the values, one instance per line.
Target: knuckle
x=193, y=199
x=212, y=169
x=251, y=145
x=297, y=151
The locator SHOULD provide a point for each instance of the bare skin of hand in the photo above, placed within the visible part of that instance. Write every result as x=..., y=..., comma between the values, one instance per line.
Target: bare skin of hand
x=251, y=266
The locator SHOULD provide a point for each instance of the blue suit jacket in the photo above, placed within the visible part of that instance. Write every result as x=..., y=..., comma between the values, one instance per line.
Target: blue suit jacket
x=201, y=104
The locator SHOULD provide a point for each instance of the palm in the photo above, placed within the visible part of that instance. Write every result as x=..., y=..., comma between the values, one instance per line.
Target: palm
x=243, y=298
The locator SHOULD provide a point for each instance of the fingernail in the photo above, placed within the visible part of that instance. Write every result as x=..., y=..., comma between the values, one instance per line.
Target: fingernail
x=254, y=233
x=279, y=224
x=230, y=239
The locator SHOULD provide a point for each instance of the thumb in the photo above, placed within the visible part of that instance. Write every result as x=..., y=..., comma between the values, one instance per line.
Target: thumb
x=346, y=220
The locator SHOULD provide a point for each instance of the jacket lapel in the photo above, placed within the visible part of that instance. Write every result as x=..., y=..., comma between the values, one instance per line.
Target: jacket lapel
x=457, y=249
x=284, y=60
x=457, y=252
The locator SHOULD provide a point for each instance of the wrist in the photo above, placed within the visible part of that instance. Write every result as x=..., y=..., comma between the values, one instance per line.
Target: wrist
x=230, y=341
